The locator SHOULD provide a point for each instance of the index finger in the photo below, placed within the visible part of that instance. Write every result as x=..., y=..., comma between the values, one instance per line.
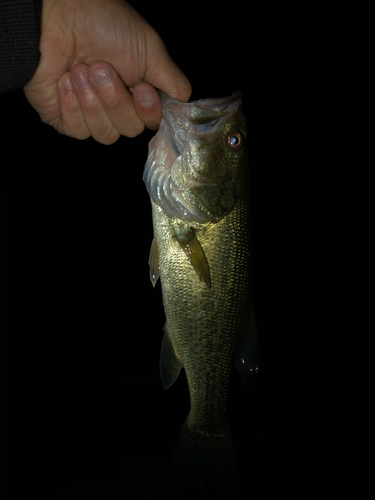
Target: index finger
x=147, y=104
x=164, y=74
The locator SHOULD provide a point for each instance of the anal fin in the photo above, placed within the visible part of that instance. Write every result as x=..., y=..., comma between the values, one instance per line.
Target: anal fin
x=169, y=366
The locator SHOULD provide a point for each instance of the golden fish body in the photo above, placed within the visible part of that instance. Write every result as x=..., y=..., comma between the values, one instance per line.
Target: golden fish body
x=206, y=326
x=197, y=178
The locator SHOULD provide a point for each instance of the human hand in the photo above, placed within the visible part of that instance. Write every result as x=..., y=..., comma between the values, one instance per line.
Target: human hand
x=99, y=67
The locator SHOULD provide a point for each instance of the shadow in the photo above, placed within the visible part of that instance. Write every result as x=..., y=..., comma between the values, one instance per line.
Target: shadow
x=155, y=480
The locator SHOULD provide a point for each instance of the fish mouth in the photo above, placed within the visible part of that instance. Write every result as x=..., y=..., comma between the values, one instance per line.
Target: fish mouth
x=206, y=110
x=203, y=110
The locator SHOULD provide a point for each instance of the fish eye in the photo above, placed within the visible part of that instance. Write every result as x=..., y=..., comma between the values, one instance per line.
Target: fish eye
x=235, y=140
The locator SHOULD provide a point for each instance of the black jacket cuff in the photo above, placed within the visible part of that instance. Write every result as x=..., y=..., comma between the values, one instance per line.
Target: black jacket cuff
x=19, y=42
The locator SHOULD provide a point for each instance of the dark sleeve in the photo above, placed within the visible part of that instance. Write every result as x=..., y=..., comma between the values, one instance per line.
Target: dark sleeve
x=19, y=42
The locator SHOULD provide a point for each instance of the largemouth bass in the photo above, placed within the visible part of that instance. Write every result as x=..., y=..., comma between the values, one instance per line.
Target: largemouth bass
x=197, y=176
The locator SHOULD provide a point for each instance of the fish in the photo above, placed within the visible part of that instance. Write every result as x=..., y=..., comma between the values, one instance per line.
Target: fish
x=197, y=177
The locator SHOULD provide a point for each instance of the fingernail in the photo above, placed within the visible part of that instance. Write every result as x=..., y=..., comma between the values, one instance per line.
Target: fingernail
x=145, y=99
x=101, y=76
x=82, y=79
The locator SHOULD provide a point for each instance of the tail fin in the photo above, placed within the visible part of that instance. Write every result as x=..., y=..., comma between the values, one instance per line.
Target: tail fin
x=206, y=462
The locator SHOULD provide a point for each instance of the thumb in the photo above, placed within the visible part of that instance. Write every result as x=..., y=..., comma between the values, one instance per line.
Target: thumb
x=164, y=74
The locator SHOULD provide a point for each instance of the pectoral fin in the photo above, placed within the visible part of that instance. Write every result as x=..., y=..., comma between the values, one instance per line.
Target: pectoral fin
x=153, y=262
x=247, y=362
x=195, y=253
x=169, y=365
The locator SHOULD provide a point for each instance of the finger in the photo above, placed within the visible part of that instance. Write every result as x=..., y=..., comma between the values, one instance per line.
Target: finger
x=115, y=98
x=97, y=120
x=71, y=121
x=163, y=73
x=147, y=104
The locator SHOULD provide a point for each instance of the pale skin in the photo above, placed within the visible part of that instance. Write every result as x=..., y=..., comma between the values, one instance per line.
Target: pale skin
x=100, y=65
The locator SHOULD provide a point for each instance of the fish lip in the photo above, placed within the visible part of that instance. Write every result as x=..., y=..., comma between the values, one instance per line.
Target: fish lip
x=238, y=94
x=200, y=111
x=213, y=102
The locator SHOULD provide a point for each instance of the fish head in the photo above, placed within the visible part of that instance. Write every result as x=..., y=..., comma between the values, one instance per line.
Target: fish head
x=193, y=171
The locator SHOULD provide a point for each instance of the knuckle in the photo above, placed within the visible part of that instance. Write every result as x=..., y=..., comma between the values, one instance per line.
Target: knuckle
x=107, y=134
x=81, y=134
x=92, y=106
x=71, y=102
x=110, y=100
x=134, y=130
x=74, y=130
x=112, y=137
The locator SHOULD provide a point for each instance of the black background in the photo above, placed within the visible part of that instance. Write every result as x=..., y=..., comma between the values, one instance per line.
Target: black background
x=82, y=325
